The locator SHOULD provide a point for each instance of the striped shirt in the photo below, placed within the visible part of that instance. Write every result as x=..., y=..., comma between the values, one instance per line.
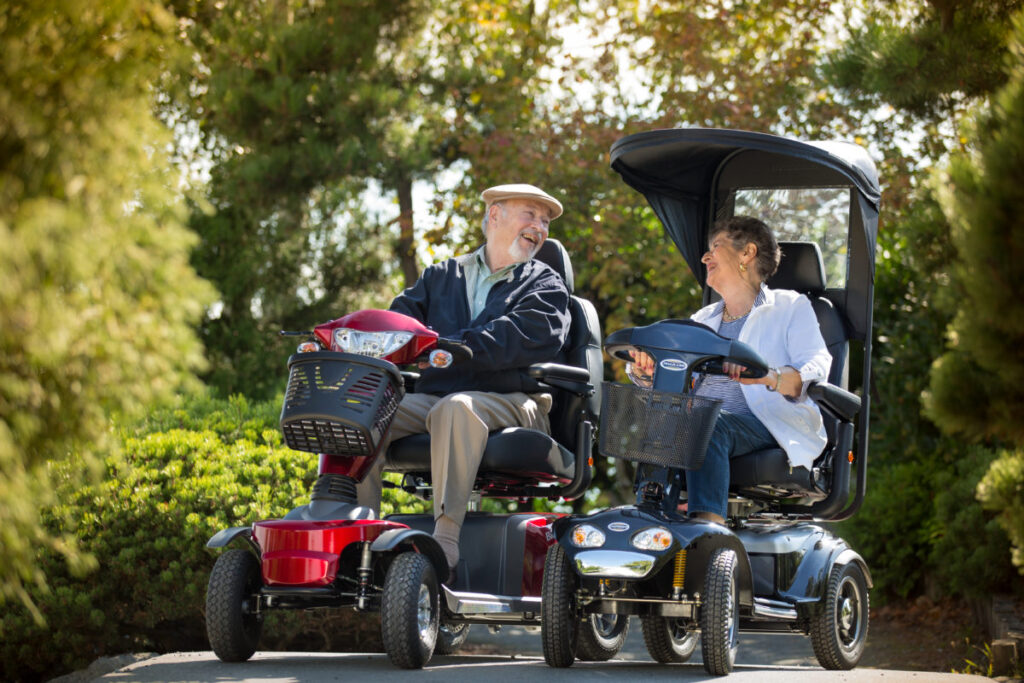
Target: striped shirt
x=722, y=387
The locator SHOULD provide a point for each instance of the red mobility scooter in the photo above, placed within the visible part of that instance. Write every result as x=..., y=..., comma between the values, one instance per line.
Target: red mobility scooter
x=344, y=386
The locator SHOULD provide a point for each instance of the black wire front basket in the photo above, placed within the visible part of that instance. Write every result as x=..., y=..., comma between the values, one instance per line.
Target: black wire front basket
x=339, y=403
x=656, y=427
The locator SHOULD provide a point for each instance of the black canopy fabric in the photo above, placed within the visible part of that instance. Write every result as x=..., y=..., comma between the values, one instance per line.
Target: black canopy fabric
x=680, y=172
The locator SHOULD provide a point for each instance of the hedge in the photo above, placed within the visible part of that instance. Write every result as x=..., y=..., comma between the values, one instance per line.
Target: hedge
x=184, y=473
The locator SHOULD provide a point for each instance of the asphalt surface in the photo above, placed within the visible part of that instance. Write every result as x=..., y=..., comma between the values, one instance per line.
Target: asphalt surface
x=765, y=658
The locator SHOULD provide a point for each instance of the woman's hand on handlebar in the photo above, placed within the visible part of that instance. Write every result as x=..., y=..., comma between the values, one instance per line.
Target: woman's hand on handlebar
x=643, y=363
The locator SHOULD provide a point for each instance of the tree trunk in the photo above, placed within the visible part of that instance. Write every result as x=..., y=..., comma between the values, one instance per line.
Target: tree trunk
x=406, y=241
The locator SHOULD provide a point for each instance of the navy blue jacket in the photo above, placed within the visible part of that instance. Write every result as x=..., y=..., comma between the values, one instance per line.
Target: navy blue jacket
x=525, y=321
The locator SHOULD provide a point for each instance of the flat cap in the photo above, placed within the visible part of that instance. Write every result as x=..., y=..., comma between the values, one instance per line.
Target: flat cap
x=522, y=191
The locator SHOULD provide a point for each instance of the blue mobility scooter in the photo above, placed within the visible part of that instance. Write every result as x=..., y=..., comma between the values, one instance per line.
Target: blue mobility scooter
x=771, y=566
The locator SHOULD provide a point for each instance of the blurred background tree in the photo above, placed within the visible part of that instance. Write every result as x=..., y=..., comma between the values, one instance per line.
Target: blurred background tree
x=97, y=299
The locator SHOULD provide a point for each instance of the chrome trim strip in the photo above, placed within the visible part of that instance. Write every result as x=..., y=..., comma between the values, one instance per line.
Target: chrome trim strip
x=773, y=609
x=482, y=604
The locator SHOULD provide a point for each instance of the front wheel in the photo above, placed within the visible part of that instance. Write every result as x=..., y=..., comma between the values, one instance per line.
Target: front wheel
x=839, y=628
x=559, y=619
x=410, y=611
x=668, y=640
x=601, y=637
x=719, y=615
x=233, y=622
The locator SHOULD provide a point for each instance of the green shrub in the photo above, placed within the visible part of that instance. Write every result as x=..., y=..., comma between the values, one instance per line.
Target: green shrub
x=1002, y=490
x=186, y=473
x=921, y=529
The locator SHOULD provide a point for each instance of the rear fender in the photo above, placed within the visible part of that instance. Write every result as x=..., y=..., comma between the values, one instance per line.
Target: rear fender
x=418, y=541
x=811, y=577
x=848, y=556
x=224, y=537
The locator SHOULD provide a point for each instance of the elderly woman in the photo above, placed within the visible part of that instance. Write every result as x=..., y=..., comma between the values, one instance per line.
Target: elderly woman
x=769, y=412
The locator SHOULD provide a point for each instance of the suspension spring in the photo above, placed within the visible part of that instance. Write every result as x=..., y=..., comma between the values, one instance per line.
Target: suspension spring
x=679, y=575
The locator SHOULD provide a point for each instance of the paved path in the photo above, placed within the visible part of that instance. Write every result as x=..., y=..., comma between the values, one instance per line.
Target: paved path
x=763, y=658
x=282, y=667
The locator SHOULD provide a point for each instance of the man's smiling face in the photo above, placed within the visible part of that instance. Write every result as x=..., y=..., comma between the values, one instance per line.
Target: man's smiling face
x=515, y=230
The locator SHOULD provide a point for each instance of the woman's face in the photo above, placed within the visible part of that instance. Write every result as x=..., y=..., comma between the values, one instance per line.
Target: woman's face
x=722, y=261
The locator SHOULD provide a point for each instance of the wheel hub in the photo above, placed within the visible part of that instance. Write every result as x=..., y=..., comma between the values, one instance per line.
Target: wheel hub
x=423, y=612
x=846, y=615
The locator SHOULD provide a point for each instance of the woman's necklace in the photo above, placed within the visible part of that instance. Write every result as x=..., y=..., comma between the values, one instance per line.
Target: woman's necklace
x=729, y=317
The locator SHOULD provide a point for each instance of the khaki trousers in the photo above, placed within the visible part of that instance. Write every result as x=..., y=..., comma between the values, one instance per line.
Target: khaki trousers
x=458, y=425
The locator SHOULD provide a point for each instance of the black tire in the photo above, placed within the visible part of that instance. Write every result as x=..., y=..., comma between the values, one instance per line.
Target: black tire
x=839, y=627
x=719, y=614
x=601, y=637
x=233, y=624
x=559, y=618
x=450, y=638
x=668, y=640
x=410, y=611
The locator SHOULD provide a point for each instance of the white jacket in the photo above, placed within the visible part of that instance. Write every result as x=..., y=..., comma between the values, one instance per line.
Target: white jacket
x=784, y=330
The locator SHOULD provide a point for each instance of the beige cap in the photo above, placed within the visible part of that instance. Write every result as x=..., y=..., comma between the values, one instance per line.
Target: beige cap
x=522, y=191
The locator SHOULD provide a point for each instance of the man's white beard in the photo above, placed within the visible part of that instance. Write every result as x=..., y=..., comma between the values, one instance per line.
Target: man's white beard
x=520, y=254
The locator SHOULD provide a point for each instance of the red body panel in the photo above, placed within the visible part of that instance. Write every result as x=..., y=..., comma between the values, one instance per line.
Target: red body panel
x=300, y=553
x=539, y=538
x=374, y=320
x=349, y=465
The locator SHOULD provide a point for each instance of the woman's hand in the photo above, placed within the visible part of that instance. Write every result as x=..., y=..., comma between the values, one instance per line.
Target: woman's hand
x=785, y=380
x=643, y=363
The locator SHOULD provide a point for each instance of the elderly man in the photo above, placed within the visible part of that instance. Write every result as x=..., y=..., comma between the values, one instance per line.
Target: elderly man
x=512, y=311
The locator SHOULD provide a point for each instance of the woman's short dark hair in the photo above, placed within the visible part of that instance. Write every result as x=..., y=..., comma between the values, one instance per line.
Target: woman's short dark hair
x=744, y=229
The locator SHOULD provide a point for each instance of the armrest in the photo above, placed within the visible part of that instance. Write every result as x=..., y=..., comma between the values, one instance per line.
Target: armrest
x=568, y=377
x=839, y=403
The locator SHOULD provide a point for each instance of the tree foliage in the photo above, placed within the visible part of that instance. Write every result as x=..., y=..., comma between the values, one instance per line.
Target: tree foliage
x=309, y=110
x=976, y=385
x=97, y=298
x=918, y=293
x=938, y=59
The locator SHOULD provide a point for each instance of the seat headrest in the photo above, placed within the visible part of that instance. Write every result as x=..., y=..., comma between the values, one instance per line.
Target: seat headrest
x=554, y=254
x=801, y=268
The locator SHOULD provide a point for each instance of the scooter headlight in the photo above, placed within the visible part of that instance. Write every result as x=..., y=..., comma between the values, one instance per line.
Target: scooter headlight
x=373, y=344
x=655, y=538
x=587, y=536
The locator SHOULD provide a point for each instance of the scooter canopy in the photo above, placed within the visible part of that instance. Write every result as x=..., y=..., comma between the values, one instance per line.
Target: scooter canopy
x=693, y=176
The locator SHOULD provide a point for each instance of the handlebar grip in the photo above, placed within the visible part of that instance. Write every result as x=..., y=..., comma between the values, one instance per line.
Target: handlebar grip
x=714, y=367
x=619, y=343
x=460, y=351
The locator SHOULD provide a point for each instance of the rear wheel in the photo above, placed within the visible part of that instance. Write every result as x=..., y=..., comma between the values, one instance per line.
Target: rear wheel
x=601, y=637
x=719, y=615
x=839, y=629
x=668, y=640
x=450, y=638
x=233, y=624
x=409, y=611
x=559, y=619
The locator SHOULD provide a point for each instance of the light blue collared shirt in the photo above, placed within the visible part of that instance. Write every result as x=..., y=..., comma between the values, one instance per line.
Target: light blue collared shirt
x=480, y=280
